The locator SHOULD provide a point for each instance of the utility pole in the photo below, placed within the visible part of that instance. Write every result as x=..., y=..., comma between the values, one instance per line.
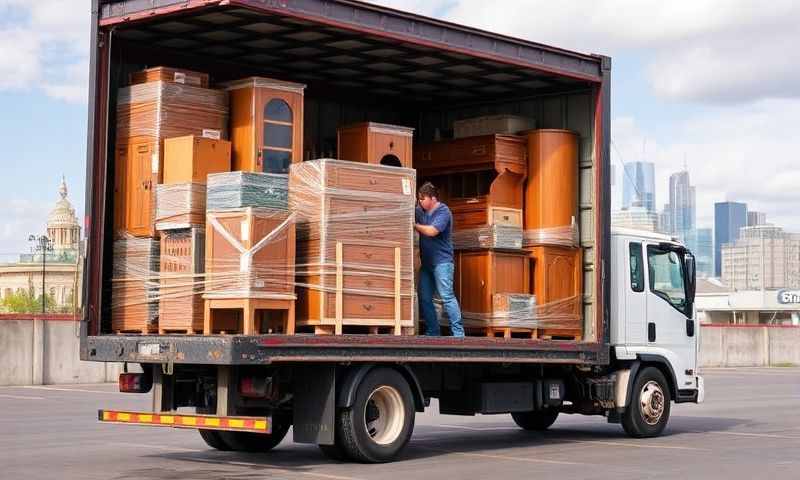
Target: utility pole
x=43, y=245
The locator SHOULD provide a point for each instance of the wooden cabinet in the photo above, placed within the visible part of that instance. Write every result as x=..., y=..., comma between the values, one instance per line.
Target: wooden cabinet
x=480, y=178
x=488, y=152
x=180, y=307
x=250, y=253
x=355, y=237
x=191, y=158
x=266, y=124
x=551, y=192
x=483, y=273
x=141, y=177
x=376, y=143
x=557, y=284
x=147, y=114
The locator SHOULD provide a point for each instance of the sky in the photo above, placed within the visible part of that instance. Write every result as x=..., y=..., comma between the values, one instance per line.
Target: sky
x=714, y=84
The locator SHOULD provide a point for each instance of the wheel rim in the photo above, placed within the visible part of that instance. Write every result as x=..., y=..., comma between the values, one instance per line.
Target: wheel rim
x=652, y=402
x=384, y=415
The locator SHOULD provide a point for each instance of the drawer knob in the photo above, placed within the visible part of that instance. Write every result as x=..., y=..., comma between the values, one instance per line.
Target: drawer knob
x=367, y=306
x=372, y=181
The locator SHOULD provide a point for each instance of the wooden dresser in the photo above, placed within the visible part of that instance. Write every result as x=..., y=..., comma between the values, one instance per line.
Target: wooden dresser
x=266, y=124
x=376, y=143
x=355, y=246
x=134, y=285
x=480, y=178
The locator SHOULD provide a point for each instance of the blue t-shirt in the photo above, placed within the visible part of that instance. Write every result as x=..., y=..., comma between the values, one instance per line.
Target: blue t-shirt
x=439, y=249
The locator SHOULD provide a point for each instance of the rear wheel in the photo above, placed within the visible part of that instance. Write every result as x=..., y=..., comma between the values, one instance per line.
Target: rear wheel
x=214, y=440
x=212, y=437
x=380, y=422
x=256, y=442
x=537, y=420
x=648, y=412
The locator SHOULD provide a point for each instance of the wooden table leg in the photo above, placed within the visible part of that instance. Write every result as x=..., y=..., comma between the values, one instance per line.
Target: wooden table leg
x=207, y=318
x=290, y=319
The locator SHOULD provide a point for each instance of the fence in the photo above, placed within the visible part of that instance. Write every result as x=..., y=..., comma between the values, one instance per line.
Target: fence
x=44, y=349
x=749, y=345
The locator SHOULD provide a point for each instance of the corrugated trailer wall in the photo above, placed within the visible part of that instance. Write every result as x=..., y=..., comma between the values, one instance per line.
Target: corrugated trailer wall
x=573, y=111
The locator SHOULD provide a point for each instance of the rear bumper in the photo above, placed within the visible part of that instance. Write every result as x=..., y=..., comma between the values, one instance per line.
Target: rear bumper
x=178, y=420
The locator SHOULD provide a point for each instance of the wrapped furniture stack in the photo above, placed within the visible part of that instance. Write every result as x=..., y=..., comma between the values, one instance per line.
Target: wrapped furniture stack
x=551, y=207
x=250, y=255
x=159, y=104
x=181, y=220
x=354, y=246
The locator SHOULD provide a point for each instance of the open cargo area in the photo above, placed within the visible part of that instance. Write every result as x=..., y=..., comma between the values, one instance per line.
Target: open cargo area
x=253, y=171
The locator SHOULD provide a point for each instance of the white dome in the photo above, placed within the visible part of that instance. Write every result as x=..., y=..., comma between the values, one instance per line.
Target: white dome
x=63, y=215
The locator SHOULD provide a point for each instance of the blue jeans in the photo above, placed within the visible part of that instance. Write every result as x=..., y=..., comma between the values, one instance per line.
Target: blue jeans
x=439, y=277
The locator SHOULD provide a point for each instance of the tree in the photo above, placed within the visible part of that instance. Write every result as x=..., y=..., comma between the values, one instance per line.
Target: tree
x=25, y=302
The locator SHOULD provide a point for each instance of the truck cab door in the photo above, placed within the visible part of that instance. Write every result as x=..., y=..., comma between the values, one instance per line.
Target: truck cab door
x=670, y=325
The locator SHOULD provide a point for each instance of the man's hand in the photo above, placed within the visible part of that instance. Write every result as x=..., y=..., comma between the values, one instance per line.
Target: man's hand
x=427, y=230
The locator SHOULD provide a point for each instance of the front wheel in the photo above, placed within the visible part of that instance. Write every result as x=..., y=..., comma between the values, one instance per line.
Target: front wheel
x=379, y=423
x=648, y=412
x=537, y=420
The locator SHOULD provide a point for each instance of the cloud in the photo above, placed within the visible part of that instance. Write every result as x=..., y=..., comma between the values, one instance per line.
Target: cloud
x=21, y=217
x=712, y=51
x=45, y=47
x=745, y=154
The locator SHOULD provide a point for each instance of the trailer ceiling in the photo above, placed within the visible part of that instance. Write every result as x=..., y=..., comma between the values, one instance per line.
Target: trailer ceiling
x=231, y=42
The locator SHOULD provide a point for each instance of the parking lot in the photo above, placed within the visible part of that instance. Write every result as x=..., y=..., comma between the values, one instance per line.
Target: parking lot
x=749, y=427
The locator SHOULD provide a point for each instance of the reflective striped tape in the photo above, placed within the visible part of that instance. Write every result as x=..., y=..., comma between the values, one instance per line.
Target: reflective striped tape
x=249, y=424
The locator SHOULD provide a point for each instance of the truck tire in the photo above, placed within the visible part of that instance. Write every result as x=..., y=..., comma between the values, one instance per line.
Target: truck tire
x=335, y=452
x=648, y=412
x=212, y=437
x=536, y=420
x=214, y=440
x=256, y=442
x=378, y=425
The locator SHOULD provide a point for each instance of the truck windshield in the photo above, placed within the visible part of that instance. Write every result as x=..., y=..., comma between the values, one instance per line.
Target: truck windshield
x=666, y=276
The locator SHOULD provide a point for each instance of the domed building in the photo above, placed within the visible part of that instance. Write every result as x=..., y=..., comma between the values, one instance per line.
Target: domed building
x=62, y=264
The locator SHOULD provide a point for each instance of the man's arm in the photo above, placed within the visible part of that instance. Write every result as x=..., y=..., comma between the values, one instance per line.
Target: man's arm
x=427, y=230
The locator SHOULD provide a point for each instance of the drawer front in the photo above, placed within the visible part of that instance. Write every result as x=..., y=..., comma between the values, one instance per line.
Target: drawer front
x=370, y=180
x=505, y=216
x=370, y=255
x=368, y=209
x=366, y=307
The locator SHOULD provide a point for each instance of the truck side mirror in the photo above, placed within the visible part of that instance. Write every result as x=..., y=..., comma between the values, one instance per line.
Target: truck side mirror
x=691, y=282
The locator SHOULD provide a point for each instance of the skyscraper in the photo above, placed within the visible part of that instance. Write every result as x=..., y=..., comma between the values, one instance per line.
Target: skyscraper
x=701, y=242
x=755, y=219
x=729, y=217
x=681, y=204
x=638, y=186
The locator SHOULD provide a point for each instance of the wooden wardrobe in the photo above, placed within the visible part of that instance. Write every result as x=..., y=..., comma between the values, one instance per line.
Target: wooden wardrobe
x=266, y=124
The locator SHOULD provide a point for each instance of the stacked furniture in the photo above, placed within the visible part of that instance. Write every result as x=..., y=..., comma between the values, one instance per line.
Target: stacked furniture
x=250, y=255
x=355, y=246
x=376, y=143
x=181, y=220
x=266, y=124
x=134, y=285
x=481, y=180
x=147, y=114
x=160, y=104
x=551, y=207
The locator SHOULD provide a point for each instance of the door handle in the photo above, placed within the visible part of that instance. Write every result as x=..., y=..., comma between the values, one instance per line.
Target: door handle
x=689, y=327
x=651, y=332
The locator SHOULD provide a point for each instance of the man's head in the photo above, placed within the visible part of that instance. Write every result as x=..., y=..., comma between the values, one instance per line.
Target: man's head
x=428, y=196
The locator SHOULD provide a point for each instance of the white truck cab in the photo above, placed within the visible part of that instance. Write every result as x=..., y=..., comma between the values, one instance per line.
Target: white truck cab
x=653, y=323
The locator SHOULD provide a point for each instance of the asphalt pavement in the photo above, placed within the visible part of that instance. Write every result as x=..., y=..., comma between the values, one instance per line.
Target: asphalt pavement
x=748, y=428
